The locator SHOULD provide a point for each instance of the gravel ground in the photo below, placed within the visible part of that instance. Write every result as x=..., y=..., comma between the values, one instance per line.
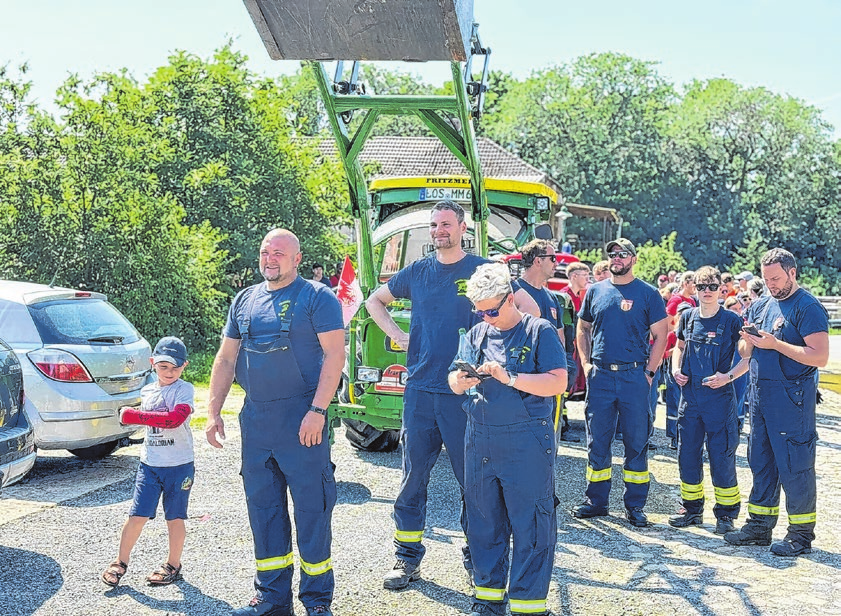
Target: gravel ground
x=61, y=526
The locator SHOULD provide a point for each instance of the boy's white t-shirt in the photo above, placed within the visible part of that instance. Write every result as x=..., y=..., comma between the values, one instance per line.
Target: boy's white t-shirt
x=167, y=447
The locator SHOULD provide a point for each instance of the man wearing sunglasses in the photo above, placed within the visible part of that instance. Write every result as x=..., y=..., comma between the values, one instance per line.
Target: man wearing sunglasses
x=509, y=450
x=702, y=365
x=432, y=414
x=614, y=325
x=539, y=260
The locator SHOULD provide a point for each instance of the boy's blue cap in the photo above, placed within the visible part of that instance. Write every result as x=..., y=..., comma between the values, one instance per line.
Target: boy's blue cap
x=170, y=349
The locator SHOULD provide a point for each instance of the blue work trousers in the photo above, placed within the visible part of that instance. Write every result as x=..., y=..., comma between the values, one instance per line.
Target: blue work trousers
x=430, y=420
x=621, y=396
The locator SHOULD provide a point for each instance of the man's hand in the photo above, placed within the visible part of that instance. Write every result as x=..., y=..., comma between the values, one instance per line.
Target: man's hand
x=715, y=381
x=650, y=379
x=680, y=378
x=311, y=428
x=763, y=341
x=496, y=370
x=402, y=341
x=587, y=367
x=215, y=431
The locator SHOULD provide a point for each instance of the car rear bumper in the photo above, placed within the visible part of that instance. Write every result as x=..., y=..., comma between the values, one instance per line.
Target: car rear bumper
x=17, y=454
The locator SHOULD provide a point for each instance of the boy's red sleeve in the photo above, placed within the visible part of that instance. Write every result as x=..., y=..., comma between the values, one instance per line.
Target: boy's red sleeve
x=156, y=419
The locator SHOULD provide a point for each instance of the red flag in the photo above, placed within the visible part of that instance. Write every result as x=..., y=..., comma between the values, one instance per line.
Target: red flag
x=349, y=292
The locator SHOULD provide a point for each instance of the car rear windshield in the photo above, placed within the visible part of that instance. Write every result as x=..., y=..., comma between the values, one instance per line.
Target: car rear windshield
x=85, y=321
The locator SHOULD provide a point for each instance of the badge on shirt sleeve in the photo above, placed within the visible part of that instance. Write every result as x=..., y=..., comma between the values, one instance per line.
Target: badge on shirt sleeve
x=710, y=334
x=554, y=312
x=626, y=304
x=779, y=323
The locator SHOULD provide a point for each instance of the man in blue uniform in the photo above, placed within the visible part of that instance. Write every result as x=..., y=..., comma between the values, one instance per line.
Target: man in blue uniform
x=707, y=338
x=539, y=261
x=284, y=341
x=509, y=449
x=793, y=342
x=614, y=325
x=432, y=414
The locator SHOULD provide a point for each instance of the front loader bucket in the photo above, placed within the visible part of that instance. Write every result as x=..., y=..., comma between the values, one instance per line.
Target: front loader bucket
x=376, y=30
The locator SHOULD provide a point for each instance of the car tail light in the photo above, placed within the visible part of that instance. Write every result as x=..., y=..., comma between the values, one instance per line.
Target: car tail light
x=83, y=294
x=60, y=365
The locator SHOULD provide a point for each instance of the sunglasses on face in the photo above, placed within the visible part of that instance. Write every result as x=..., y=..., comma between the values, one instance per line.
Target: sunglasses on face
x=493, y=312
x=553, y=257
x=619, y=254
x=712, y=286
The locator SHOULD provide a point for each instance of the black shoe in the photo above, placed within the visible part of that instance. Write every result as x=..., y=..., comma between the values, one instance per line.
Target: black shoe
x=724, y=525
x=673, y=444
x=401, y=575
x=684, y=519
x=486, y=609
x=589, y=510
x=652, y=447
x=319, y=610
x=746, y=536
x=565, y=435
x=258, y=607
x=636, y=516
x=790, y=547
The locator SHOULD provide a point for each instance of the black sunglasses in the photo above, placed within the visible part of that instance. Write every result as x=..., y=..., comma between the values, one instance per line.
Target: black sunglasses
x=553, y=257
x=493, y=312
x=619, y=254
x=712, y=286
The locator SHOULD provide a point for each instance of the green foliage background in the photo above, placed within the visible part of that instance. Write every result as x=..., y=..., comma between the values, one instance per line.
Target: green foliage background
x=158, y=192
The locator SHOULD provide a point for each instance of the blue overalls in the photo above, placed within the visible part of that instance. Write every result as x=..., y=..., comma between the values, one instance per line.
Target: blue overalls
x=510, y=490
x=672, y=396
x=707, y=413
x=277, y=398
x=617, y=391
x=781, y=447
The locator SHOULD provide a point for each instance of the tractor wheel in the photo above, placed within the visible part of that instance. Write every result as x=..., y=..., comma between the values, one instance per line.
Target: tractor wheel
x=365, y=437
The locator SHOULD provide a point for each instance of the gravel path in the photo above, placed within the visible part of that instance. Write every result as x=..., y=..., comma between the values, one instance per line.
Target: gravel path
x=60, y=527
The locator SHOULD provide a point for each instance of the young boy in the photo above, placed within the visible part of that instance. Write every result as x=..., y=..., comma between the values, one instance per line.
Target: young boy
x=166, y=462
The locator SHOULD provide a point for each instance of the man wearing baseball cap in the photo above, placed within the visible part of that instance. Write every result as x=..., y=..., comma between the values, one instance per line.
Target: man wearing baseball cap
x=616, y=319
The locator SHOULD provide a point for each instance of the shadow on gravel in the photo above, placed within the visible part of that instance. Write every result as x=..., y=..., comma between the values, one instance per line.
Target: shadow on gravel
x=443, y=595
x=352, y=493
x=107, y=495
x=388, y=460
x=194, y=601
x=27, y=580
x=654, y=576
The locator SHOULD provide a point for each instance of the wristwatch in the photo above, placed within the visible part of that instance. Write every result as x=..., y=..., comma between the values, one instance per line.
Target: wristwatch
x=730, y=375
x=512, y=378
x=650, y=373
x=318, y=409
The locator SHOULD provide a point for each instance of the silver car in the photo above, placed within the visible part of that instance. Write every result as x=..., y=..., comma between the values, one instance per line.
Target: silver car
x=82, y=360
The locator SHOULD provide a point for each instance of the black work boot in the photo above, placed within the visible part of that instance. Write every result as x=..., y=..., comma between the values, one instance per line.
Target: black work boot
x=258, y=607
x=589, y=510
x=684, y=519
x=401, y=575
x=565, y=435
x=487, y=609
x=724, y=525
x=790, y=547
x=748, y=535
x=636, y=516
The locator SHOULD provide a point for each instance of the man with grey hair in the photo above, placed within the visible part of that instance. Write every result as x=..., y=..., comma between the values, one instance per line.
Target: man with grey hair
x=432, y=414
x=792, y=343
x=510, y=365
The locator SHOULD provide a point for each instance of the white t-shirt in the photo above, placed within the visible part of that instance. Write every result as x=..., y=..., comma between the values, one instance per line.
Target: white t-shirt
x=163, y=447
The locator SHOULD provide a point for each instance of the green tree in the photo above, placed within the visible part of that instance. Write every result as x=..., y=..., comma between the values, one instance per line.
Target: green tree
x=655, y=259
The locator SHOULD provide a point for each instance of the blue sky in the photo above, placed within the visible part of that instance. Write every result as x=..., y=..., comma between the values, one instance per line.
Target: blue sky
x=789, y=47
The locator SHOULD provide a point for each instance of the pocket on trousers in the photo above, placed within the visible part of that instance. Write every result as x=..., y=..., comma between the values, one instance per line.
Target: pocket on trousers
x=544, y=524
x=801, y=452
x=315, y=500
x=795, y=393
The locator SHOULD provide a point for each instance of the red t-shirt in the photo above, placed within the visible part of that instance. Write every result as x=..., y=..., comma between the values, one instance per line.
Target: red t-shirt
x=677, y=300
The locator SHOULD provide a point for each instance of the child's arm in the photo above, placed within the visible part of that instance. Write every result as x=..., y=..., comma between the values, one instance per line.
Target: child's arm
x=156, y=419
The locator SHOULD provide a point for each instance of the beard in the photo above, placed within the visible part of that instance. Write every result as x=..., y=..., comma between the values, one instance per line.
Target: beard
x=444, y=242
x=620, y=270
x=270, y=277
x=784, y=292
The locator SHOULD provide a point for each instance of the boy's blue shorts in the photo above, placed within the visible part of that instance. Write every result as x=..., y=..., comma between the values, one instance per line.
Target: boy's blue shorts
x=174, y=482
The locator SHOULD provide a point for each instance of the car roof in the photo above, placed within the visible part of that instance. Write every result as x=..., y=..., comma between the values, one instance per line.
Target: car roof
x=32, y=293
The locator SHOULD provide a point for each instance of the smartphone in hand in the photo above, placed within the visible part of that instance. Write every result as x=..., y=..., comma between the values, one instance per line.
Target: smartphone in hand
x=471, y=370
x=751, y=329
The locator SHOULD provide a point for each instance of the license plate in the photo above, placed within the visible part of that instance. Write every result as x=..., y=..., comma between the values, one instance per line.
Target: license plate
x=453, y=194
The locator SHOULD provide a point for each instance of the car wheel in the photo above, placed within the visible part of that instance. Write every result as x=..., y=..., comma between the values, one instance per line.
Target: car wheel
x=95, y=452
x=365, y=437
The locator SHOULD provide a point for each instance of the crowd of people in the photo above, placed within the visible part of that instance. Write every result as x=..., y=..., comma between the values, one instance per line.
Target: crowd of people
x=489, y=361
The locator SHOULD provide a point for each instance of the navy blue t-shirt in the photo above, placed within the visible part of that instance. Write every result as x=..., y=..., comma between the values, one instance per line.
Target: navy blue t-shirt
x=622, y=316
x=318, y=312
x=790, y=320
x=439, y=309
x=722, y=329
x=550, y=308
x=530, y=347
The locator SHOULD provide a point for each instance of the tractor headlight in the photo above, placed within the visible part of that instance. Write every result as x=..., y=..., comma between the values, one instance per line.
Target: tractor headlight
x=542, y=204
x=364, y=374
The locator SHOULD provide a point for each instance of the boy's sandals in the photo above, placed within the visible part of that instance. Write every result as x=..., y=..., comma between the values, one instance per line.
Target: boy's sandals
x=163, y=575
x=114, y=573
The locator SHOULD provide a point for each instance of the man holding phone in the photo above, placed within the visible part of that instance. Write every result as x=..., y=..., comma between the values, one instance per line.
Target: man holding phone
x=707, y=339
x=789, y=343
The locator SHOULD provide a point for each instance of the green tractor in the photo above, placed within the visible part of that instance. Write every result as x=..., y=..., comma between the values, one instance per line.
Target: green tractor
x=392, y=215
